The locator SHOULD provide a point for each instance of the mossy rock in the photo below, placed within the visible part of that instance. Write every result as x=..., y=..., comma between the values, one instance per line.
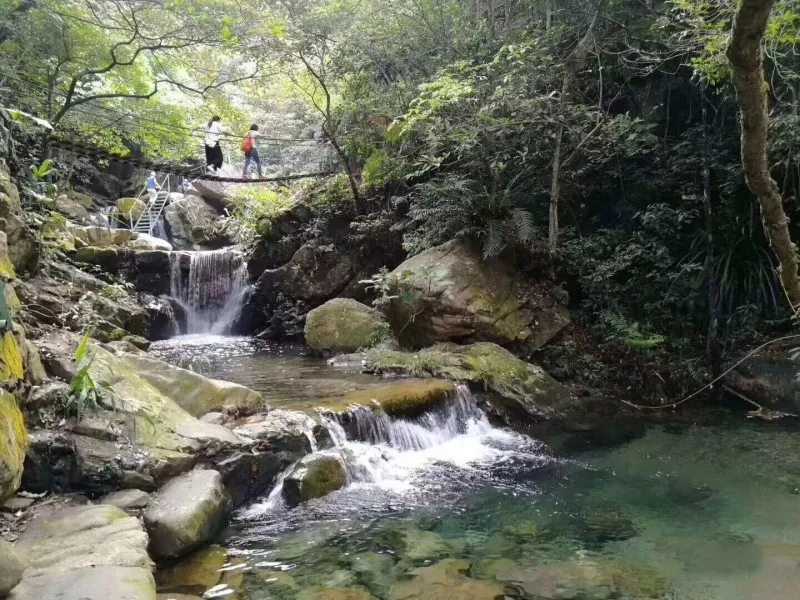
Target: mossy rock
x=344, y=325
x=6, y=266
x=13, y=442
x=131, y=208
x=519, y=388
x=313, y=477
x=399, y=399
x=12, y=367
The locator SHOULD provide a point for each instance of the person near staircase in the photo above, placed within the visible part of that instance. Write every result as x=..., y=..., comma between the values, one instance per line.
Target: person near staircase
x=213, y=150
x=250, y=149
x=152, y=186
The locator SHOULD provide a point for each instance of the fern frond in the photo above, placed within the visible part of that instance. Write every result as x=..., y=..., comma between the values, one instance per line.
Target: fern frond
x=628, y=333
x=523, y=226
x=495, y=241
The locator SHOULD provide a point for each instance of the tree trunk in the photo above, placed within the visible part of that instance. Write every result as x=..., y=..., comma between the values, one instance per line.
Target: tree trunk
x=746, y=54
x=575, y=62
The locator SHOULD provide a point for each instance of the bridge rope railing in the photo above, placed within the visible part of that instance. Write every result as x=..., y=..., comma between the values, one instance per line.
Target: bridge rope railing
x=188, y=171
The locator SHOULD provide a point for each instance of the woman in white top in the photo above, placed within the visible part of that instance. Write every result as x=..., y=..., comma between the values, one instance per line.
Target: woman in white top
x=251, y=152
x=213, y=150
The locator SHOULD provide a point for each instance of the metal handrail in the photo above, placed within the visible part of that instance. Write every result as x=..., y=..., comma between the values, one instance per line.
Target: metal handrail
x=153, y=218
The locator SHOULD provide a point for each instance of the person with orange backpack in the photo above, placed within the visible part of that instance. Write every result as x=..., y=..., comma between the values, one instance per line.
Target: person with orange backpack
x=251, y=151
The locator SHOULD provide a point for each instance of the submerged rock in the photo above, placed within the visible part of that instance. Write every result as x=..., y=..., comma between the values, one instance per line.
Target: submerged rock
x=313, y=477
x=335, y=593
x=446, y=580
x=195, y=573
x=344, y=325
x=460, y=297
x=600, y=579
x=93, y=552
x=187, y=513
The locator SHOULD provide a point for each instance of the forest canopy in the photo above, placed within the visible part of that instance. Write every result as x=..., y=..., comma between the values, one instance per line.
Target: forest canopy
x=603, y=134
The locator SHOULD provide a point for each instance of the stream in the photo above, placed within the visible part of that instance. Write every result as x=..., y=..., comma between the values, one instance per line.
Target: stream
x=680, y=511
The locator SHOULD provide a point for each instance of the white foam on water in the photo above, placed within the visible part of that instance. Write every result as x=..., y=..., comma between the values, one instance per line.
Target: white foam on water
x=394, y=454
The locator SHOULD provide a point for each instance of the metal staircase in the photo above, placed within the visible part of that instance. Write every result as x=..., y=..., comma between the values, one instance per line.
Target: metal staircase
x=149, y=218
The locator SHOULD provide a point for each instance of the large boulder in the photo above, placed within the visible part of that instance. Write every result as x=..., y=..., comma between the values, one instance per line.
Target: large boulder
x=187, y=513
x=451, y=294
x=131, y=208
x=13, y=441
x=147, y=415
x=93, y=552
x=344, y=325
x=72, y=209
x=193, y=224
x=314, y=477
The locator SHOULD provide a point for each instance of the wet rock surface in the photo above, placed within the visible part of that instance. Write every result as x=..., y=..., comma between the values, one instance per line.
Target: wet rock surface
x=188, y=512
x=313, y=477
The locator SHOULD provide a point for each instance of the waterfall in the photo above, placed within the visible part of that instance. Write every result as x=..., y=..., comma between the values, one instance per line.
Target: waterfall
x=376, y=449
x=210, y=287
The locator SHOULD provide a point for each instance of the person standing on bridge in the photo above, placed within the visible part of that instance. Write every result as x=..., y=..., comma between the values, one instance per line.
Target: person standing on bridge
x=251, y=152
x=213, y=149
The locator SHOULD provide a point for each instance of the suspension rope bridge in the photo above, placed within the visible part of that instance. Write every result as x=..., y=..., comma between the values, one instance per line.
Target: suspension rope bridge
x=187, y=171
x=91, y=151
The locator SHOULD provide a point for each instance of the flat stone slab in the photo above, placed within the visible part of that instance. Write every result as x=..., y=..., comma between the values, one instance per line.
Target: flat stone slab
x=92, y=552
x=127, y=499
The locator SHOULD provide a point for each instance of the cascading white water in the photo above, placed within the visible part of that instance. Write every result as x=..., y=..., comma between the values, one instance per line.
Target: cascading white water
x=210, y=287
x=389, y=453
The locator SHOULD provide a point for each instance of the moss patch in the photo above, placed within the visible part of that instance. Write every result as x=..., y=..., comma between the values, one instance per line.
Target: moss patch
x=520, y=387
x=401, y=399
x=131, y=208
x=13, y=441
x=11, y=356
x=344, y=325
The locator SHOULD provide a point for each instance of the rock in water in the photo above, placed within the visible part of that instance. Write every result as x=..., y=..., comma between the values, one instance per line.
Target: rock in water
x=313, y=477
x=13, y=441
x=11, y=568
x=93, y=552
x=459, y=297
x=335, y=593
x=446, y=580
x=344, y=325
x=187, y=513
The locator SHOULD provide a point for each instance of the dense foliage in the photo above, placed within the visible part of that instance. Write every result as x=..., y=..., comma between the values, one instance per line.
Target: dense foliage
x=601, y=134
